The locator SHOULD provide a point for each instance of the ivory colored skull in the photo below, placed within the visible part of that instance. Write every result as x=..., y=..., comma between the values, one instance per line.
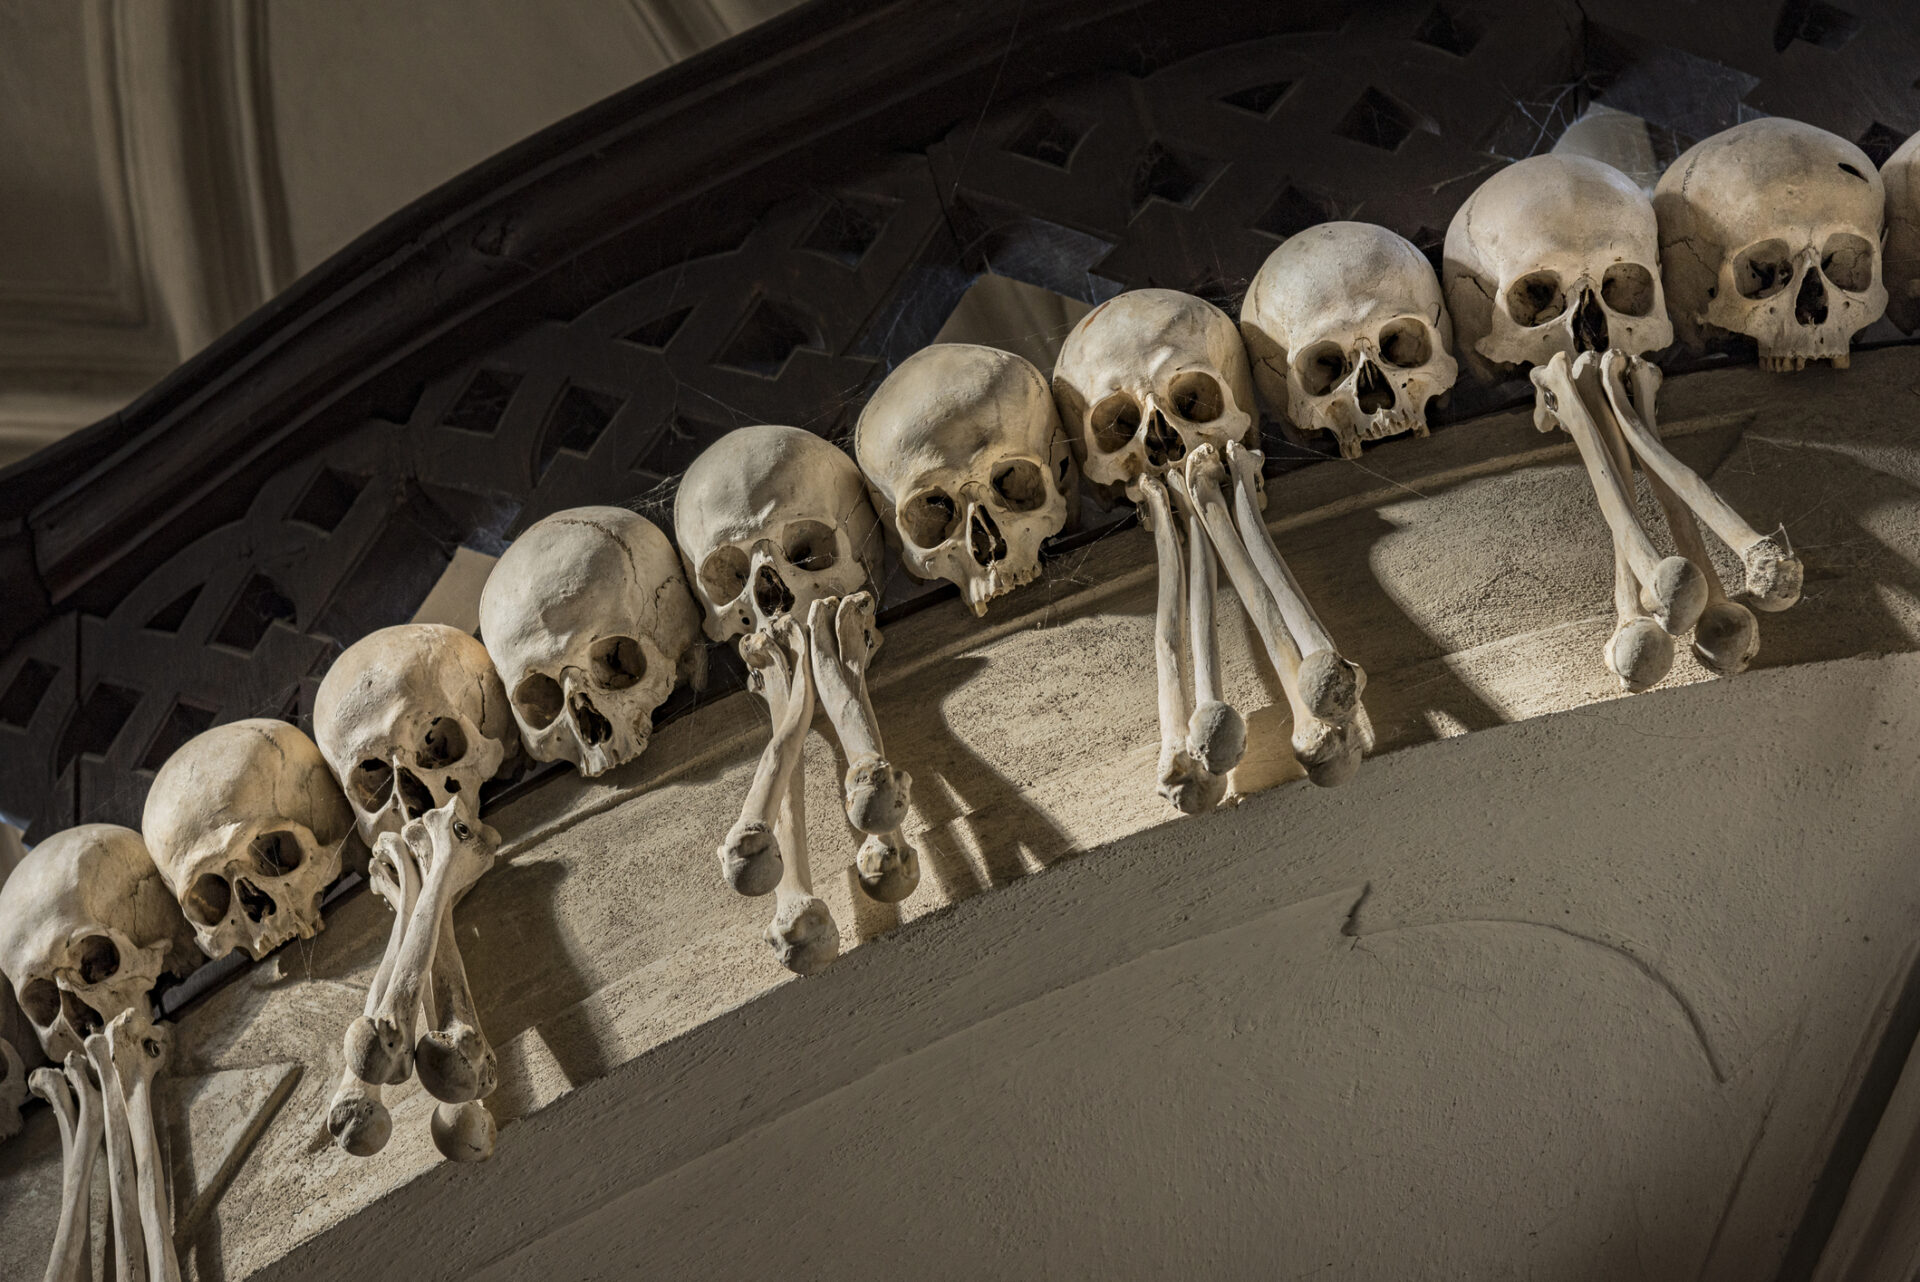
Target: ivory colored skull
x=246, y=824
x=1901, y=262
x=590, y=623
x=770, y=520
x=19, y=1049
x=409, y=716
x=87, y=927
x=1554, y=253
x=963, y=450
x=1347, y=334
x=1772, y=229
x=1146, y=378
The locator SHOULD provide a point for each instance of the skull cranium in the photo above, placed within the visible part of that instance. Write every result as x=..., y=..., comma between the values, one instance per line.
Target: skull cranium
x=1555, y=253
x=87, y=927
x=770, y=520
x=1771, y=229
x=1148, y=377
x=1348, y=335
x=963, y=450
x=589, y=623
x=246, y=824
x=409, y=716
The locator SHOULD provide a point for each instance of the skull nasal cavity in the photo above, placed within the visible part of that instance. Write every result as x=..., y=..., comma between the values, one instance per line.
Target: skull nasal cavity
x=770, y=593
x=593, y=727
x=1810, y=304
x=1372, y=389
x=415, y=797
x=1164, y=445
x=256, y=903
x=84, y=1019
x=1590, y=324
x=443, y=744
x=984, y=539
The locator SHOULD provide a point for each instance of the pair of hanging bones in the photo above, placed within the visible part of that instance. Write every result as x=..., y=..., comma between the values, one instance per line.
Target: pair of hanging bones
x=86, y=929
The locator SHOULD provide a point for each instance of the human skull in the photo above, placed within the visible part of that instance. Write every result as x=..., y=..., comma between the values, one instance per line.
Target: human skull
x=19, y=1049
x=409, y=716
x=1901, y=262
x=1146, y=378
x=246, y=824
x=590, y=623
x=770, y=520
x=1347, y=334
x=963, y=450
x=1554, y=254
x=1772, y=229
x=87, y=927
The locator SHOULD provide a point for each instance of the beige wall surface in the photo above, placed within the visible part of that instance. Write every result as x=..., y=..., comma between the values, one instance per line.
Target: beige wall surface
x=1583, y=993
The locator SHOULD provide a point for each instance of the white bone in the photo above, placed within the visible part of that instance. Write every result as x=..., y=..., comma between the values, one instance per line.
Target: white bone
x=1328, y=751
x=246, y=824
x=1772, y=229
x=1774, y=574
x=802, y=934
x=138, y=1050
x=123, y=1196
x=463, y=1132
x=590, y=623
x=842, y=637
x=1347, y=334
x=751, y=857
x=1674, y=587
x=410, y=716
x=1183, y=781
x=357, y=1116
x=455, y=849
x=1216, y=733
x=452, y=1058
x=77, y=1110
x=1330, y=685
x=968, y=465
x=1640, y=651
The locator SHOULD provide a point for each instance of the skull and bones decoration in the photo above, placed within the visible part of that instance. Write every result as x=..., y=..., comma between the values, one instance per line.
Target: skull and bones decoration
x=413, y=720
x=1347, y=334
x=590, y=624
x=1554, y=263
x=1155, y=390
x=1771, y=229
x=247, y=825
x=87, y=928
x=782, y=547
x=967, y=464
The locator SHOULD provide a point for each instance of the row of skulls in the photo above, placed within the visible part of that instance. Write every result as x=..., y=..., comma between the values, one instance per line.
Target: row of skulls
x=967, y=459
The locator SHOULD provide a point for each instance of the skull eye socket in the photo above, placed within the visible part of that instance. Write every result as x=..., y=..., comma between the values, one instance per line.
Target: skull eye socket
x=1535, y=299
x=929, y=518
x=207, y=900
x=41, y=1001
x=1405, y=343
x=724, y=573
x=443, y=744
x=275, y=854
x=1627, y=288
x=370, y=782
x=1196, y=396
x=539, y=698
x=99, y=959
x=1763, y=270
x=1021, y=485
x=1322, y=367
x=1847, y=263
x=809, y=545
x=1114, y=422
x=618, y=662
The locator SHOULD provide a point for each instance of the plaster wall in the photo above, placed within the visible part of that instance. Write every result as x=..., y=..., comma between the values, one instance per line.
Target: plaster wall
x=1590, y=990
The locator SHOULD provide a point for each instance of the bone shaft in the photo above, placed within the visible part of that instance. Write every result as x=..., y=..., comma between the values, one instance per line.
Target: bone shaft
x=841, y=683
x=129, y=1247
x=1202, y=589
x=1680, y=523
x=404, y=991
x=1609, y=487
x=76, y=1110
x=156, y=1210
x=1658, y=461
x=1309, y=633
x=1168, y=658
x=782, y=753
x=452, y=995
x=1252, y=590
x=790, y=821
x=401, y=895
